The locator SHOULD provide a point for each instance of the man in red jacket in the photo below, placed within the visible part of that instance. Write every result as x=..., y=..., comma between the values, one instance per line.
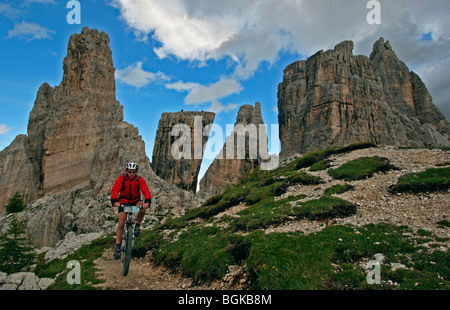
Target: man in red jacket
x=127, y=191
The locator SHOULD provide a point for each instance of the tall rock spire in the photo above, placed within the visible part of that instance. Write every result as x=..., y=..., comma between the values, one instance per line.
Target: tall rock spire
x=240, y=154
x=194, y=128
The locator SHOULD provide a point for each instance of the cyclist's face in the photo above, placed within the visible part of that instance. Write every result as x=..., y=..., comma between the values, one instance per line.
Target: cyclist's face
x=131, y=174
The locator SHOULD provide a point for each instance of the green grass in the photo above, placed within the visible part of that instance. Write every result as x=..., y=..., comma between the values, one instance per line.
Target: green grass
x=203, y=253
x=338, y=189
x=444, y=223
x=360, y=168
x=311, y=158
x=258, y=190
x=433, y=179
x=320, y=165
x=326, y=207
x=331, y=259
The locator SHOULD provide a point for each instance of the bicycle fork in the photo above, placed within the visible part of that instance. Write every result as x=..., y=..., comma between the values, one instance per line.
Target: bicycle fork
x=129, y=224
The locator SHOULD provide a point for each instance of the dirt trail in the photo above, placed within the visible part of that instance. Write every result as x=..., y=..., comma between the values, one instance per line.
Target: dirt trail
x=143, y=275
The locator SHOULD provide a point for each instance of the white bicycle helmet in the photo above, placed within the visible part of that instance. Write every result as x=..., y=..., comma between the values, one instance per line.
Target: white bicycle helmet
x=132, y=165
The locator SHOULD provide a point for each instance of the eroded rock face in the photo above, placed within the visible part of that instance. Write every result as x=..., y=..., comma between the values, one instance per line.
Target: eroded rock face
x=17, y=172
x=189, y=131
x=239, y=155
x=335, y=98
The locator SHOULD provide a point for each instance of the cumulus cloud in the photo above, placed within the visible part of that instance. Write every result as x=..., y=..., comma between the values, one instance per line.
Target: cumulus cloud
x=209, y=93
x=30, y=31
x=200, y=94
x=251, y=32
x=135, y=76
x=217, y=107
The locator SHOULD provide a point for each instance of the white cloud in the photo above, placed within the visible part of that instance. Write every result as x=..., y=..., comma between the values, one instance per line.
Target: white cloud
x=200, y=94
x=8, y=11
x=4, y=129
x=223, y=88
x=135, y=76
x=217, y=107
x=181, y=86
x=30, y=31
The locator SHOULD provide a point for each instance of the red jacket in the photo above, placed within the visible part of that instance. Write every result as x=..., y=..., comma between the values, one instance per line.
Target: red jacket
x=129, y=192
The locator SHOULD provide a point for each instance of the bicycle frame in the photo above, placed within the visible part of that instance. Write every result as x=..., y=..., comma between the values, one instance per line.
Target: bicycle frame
x=128, y=236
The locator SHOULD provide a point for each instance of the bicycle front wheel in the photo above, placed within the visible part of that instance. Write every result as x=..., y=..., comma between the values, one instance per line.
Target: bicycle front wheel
x=127, y=250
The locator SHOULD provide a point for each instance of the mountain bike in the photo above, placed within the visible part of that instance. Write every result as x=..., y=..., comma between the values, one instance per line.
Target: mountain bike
x=128, y=237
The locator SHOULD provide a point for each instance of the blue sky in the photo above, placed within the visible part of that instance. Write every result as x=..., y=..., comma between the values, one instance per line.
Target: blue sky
x=207, y=54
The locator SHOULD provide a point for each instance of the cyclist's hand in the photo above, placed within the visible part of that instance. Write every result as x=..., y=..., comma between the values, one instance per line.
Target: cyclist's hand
x=146, y=205
x=117, y=204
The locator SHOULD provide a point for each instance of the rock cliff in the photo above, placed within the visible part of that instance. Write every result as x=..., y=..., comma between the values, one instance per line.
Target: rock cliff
x=188, y=133
x=240, y=154
x=76, y=145
x=335, y=98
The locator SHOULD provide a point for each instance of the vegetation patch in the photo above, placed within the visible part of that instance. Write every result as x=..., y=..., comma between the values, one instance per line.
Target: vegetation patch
x=326, y=207
x=361, y=168
x=202, y=253
x=433, y=179
x=321, y=165
x=298, y=178
x=334, y=259
x=309, y=159
x=338, y=189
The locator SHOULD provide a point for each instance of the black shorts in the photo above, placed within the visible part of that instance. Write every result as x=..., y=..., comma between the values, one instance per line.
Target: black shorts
x=120, y=209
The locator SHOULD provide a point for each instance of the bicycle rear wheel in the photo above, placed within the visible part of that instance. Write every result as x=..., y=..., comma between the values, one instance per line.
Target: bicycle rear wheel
x=127, y=250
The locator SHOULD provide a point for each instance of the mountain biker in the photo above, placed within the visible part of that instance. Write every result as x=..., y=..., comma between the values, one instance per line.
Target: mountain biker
x=127, y=190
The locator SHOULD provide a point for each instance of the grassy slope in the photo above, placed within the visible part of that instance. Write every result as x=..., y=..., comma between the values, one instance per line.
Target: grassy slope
x=202, y=245
x=330, y=259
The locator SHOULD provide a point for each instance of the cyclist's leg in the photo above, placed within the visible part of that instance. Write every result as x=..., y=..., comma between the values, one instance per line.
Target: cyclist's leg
x=141, y=214
x=119, y=233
